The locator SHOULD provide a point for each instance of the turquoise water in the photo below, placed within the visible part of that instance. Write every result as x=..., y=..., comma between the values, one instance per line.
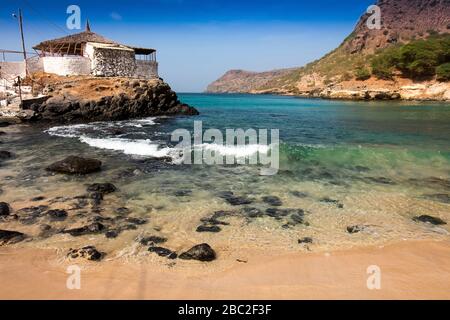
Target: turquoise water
x=373, y=164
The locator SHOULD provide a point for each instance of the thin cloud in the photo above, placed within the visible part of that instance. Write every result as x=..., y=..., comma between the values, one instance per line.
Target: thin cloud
x=115, y=16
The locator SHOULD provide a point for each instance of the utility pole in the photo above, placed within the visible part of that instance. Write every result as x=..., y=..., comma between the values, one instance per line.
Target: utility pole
x=20, y=18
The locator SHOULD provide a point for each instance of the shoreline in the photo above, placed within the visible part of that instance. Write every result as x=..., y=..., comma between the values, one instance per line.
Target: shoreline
x=405, y=267
x=326, y=98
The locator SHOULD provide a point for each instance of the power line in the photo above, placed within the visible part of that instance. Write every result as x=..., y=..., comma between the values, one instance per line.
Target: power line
x=37, y=12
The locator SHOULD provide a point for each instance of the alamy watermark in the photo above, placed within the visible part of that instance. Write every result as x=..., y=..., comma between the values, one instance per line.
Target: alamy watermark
x=374, y=21
x=73, y=281
x=240, y=147
x=374, y=279
x=73, y=22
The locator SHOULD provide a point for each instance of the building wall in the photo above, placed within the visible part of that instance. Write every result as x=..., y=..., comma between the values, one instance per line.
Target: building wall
x=146, y=69
x=68, y=65
x=35, y=64
x=11, y=70
x=110, y=62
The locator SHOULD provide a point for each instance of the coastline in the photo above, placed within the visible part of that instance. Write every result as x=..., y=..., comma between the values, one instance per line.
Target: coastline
x=405, y=267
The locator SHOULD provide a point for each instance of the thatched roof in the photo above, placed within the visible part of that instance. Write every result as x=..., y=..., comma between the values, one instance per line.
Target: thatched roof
x=72, y=43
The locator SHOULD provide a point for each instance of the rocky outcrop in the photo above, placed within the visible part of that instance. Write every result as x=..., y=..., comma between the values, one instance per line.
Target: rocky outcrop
x=85, y=99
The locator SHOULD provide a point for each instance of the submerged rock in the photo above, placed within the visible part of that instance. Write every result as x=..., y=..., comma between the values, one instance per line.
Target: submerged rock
x=36, y=199
x=441, y=197
x=57, y=215
x=5, y=155
x=229, y=197
x=204, y=228
x=93, y=228
x=136, y=221
x=273, y=201
x=332, y=201
x=253, y=212
x=76, y=165
x=111, y=234
x=429, y=219
x=381, y=180
x=4, y=209
x=103, y=188
x=201, y=252
x=299, y=194
x=10, y=237
x=306, y=240
x=355, y=229
x=29, y=215
x=183, y=193
x=88, y=252
x=123, y=211
x=163, y=252
x=152, y=240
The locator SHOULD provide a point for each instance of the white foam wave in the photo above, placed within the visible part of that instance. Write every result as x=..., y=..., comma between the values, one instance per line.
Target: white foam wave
x=237, y=151
x=130, y=147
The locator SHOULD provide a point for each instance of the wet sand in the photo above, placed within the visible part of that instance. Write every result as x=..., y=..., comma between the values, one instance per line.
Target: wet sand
x=409, y=270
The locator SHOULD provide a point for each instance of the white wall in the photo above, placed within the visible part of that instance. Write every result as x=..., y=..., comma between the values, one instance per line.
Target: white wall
x=68, y=65
x=11, y=70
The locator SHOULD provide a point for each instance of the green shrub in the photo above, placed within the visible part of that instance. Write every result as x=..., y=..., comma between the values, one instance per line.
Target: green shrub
x=383, y=64
x=417, y=59
x=443, y=72
x=362, y=74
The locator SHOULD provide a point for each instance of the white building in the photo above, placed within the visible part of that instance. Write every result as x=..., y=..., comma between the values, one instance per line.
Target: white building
x=87, y=53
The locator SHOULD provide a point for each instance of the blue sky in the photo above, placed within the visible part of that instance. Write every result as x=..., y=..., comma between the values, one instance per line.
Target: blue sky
x=198, y=40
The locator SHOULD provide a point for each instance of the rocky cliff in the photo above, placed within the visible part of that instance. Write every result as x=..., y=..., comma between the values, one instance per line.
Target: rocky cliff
x=240, y=81
x=86, y=98
x=334, y=75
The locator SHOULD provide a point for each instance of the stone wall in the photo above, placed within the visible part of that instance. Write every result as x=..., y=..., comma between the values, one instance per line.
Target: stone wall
x=146, y=69
x=111, y=62
x=68, y=65
x=11, y=70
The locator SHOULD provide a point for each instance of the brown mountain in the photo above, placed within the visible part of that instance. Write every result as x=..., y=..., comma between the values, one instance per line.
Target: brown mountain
x=333, y=76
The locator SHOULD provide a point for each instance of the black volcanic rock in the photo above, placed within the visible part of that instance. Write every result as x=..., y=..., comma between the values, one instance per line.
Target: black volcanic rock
x=93, y=228
x=103, y=188
x=57, y=215
x=429, y=219
x=205, y=228
x=115, y=99
x=75, y=165
x=273, y=201
x=4, y=209
x=201, y=252
x=88, y=252
x=5, y=155
x=163, y=252
x=10, y=237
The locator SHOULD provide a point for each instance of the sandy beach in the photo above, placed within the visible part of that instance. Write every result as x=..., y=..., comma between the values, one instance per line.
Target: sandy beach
x=409, y=270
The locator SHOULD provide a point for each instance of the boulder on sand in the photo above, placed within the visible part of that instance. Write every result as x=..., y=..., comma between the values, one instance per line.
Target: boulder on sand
x=75, y=165
x=201, y=252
